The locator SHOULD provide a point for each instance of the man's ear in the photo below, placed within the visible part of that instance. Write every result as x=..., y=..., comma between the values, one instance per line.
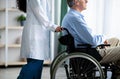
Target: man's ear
x=75, y=1
x=78, y=0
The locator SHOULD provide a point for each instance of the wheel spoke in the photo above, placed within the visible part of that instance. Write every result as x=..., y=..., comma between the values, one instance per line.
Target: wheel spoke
x=80, y=66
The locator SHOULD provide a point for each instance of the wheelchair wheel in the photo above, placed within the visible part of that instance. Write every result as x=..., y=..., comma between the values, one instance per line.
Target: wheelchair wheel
x=56, y=59
x=77, y=66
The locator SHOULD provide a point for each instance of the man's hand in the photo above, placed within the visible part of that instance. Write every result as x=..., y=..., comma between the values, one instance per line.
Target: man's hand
x=58, y=29
x=105, y=42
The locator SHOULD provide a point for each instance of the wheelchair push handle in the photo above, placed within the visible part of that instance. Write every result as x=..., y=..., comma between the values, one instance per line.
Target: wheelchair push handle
x=66, y=30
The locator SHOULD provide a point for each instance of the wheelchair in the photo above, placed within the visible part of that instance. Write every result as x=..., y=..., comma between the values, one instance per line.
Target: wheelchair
x=77, y=63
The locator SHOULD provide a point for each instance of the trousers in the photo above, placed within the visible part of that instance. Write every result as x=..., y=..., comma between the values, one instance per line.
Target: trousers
x=111, y=53
x=32, y=70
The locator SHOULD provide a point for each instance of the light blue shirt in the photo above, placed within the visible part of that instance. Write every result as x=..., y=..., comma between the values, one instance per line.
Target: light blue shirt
x=76, y=25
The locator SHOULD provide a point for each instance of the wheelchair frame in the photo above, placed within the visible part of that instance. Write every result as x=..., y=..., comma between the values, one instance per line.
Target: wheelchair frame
x=64, y=56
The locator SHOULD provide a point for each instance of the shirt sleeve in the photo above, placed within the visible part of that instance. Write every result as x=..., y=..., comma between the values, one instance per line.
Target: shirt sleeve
x=40, y=14
x=85, y=33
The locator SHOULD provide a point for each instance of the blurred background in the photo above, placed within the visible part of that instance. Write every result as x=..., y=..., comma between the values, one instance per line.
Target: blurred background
x=103, y=16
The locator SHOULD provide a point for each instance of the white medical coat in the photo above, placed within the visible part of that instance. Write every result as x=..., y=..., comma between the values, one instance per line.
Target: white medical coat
x=35, y=37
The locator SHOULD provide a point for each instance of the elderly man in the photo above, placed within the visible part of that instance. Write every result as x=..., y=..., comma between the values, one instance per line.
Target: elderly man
x=75, y=23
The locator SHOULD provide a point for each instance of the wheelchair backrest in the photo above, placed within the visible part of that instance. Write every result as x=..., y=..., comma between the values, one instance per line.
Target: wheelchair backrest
x=67, y=40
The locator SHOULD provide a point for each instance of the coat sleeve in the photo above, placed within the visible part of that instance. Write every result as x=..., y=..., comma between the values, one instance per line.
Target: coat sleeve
x=40, y=14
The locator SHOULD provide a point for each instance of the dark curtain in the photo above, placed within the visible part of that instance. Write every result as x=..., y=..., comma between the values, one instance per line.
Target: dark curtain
x=64, y=9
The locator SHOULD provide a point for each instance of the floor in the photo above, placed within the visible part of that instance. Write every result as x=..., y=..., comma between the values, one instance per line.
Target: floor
x=12, y=73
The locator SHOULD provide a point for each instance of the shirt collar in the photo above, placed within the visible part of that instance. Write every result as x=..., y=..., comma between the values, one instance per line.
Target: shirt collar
x=76, y=12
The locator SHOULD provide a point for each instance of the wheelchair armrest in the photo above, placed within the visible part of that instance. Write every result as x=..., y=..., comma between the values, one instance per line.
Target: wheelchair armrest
x=103, y=45
x=84, y=45
x=89, y=46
